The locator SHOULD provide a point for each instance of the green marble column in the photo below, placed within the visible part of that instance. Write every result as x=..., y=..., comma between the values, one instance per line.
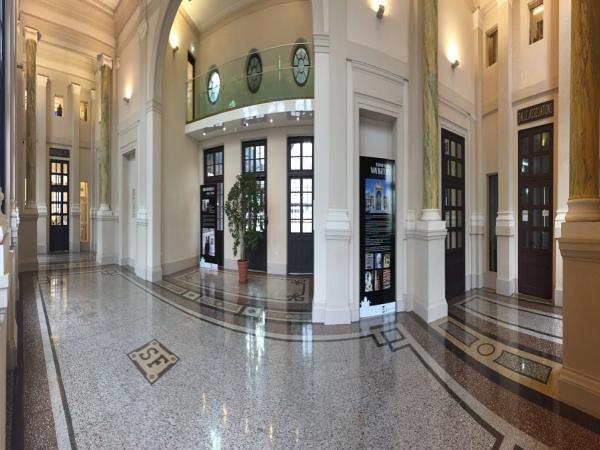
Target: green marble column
x=104, y=172
x=585, y=100
x=431, y=157
x=30, y=124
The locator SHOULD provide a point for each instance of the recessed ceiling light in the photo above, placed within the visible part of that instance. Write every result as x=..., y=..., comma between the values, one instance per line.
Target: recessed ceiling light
x=224, y=128
x=271, y=120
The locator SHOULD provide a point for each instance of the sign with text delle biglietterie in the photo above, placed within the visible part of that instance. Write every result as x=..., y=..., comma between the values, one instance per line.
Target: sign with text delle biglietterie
x=535, y=112
x=377, y=236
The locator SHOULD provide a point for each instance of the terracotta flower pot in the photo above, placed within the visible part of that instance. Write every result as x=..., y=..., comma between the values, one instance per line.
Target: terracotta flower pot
x=243, y=271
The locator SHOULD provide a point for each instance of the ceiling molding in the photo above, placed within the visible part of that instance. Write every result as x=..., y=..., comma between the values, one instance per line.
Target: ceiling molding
x=124, y=12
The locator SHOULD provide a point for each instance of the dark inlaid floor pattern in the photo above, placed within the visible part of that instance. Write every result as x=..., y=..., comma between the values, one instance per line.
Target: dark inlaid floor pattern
x=248, y=372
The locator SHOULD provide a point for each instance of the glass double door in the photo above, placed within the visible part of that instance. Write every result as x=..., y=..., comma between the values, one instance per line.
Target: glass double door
x=535, y=211
x=300, y=206
x=59, y=205
x=453, y=210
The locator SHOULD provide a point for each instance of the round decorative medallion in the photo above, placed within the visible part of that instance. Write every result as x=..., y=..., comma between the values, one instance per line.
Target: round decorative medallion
x=254, y=72
x=301, y=65
x=214, y=86
x=486, y=349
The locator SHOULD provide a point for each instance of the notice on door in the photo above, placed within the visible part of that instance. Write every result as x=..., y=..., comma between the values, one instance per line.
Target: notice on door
x=377, y=236
x=208, y=223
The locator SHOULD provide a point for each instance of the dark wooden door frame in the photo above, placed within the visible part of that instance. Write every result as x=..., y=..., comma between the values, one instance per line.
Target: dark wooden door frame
x=453, y=211
x=218, y=180
x=308, y=266
x=259, y=258
x=59, y=234
x=536, y=226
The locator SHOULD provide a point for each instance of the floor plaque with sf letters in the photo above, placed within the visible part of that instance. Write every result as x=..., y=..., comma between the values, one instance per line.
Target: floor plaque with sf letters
x=153, y=360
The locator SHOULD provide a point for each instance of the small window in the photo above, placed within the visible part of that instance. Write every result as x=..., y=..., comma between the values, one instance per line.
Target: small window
x=492, y=47
x=83, y=111
x=536, y=21
x=58, y=106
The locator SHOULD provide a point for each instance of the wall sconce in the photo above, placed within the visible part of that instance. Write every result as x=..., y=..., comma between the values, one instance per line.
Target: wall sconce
x=453, y=55
x=455, y=64
x=173, y=41
x=127, y=95
x=380, y=11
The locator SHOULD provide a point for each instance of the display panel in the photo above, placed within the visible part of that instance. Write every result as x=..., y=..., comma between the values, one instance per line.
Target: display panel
x=208, y=222
x=377, y=236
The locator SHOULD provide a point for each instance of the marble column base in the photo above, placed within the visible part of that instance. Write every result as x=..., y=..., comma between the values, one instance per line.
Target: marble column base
x=42, y=229
x=583, y=210
x=106, y=247
x=74, y=231
x=28, y=239
x=579, y=381
x=429, y=299
x=506, y=278
x=333, y=306
x=141, y=228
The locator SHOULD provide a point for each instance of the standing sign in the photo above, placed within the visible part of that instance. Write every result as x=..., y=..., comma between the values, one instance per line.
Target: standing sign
x=377, y=236
x=208, y=223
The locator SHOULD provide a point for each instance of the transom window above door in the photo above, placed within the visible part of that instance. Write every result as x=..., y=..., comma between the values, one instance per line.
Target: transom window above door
x=213, y=163
x=254, y=158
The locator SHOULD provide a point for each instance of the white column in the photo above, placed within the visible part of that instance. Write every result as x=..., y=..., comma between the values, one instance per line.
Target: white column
x=564, y=121
x=332, y=222
x=92, y=189
x=478, y=178
x=141, y=215
x=153, y=189
x=42, y=164
x=74, y=201
x=505, y=223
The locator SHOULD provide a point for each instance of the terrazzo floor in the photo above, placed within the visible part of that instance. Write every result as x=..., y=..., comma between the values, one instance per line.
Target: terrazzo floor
x=228, y=377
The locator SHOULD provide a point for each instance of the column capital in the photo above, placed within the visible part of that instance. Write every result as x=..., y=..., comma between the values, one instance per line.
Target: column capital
x=477, y=19
x=42, y=81
x=104, y=60
x=93, y=94
x=75, y=88
x=32, y=34
x=500, y=3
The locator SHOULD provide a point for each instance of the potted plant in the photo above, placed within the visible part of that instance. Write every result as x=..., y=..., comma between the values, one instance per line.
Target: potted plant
x=247, y=218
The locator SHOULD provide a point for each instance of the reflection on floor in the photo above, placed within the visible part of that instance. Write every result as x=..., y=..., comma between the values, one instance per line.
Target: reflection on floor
x=113, y=361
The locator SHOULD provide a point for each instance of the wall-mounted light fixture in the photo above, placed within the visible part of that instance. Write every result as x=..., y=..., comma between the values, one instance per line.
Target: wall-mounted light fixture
x=127, y=94
x=380, y=11
x=452, y=54
x=173, y=41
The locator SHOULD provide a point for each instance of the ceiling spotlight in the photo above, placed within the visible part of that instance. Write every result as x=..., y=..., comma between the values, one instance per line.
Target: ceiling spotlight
x=204, y=133
x=224, y=128
x=271, y=120
x=246, y=124
x=380, y=11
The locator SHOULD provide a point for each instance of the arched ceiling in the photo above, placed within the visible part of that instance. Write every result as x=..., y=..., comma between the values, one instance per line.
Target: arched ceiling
x=205, y=13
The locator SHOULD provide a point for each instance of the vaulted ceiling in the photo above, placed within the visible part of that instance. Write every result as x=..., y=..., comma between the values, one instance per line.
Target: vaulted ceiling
x=204, y=13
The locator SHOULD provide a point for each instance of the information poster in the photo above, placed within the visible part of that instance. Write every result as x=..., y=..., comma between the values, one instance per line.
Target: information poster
x=377, y=236
x=208, y=223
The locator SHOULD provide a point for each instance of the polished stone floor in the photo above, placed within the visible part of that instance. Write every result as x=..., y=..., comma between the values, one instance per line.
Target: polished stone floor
x=195, y=361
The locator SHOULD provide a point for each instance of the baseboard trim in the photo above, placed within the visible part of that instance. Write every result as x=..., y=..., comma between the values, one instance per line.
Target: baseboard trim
x=579, y=390
x=277, y=268
x=178, y=266
x=433, y=312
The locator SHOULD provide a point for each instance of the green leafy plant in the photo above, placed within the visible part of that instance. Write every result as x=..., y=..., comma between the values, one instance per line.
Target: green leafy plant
x=246, y=215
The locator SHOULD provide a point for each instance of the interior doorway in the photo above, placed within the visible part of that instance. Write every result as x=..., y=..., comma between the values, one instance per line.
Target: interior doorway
x=536, y=211
x=214, y=169
x=129, y=206
x=453, y=210
x=254, y=159
x=59, y=205
x=300, y=205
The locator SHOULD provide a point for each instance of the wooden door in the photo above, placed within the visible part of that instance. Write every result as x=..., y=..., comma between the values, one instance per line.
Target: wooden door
x=536, y=211
x=453, y=210
x=300, y=205
x=59, y=205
